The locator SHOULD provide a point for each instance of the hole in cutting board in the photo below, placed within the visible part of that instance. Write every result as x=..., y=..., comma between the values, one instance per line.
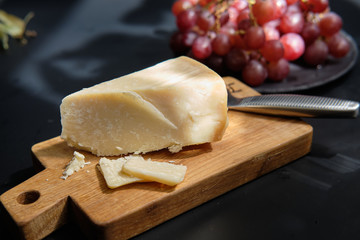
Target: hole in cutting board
x=28, y=197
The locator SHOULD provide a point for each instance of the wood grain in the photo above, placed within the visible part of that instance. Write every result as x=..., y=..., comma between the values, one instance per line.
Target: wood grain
x=252, y=146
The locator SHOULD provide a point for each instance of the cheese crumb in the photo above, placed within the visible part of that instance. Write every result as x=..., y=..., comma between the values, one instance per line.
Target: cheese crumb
x=175, y=148
x=76, y=163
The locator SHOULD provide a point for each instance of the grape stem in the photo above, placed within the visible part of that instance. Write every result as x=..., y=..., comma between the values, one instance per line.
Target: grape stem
x=251, y=15
x=220, y=7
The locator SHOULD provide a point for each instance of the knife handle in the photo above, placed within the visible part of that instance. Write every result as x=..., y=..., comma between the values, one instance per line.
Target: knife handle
x=298, y=106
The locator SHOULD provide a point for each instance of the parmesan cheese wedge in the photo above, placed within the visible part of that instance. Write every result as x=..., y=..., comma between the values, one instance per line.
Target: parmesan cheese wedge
x=176, y=103
x=114, y=177
x=162, y=172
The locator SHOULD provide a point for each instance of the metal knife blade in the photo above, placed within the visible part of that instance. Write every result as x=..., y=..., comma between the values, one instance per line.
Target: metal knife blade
x=295, y=105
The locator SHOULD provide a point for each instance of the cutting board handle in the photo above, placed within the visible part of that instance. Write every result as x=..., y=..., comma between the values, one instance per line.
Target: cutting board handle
x=37, y=206
x=239, y=89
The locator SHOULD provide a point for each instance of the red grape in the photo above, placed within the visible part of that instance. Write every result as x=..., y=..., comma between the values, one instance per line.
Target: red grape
x=211, y=34
x=224, y=18
x=240, y=42
x=279, y=70
x=244, y=24
x=221, y=44
x=289, y=2
x=244, y=14
x=254, y=37
x=280, y=8
x=240, y=5
x=176, y=43
x=233, y=14
x=272, y=50
x=330, y=24
x=256, y=55
x=292, y=21
x=203, y=3
x=186, y=19
x=273, y=23
x=188, y=38
x=205, y=20
x=271, y=30
x=316, y=53
x=316, y=6
x=338, y=45
x=230, y=31
x=310, y=32
x=254, y=73
x=294, y=46
x=179, y=6
x=271, y=33
x=263, y=11
x=294, y=8
x=201, y=47
x=236, y=59
x=216, y=63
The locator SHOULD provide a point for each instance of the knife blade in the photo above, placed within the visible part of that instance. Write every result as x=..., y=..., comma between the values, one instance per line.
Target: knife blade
x=294, y=105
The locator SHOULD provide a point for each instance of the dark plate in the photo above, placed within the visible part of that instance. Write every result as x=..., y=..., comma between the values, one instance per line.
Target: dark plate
x=303, y=78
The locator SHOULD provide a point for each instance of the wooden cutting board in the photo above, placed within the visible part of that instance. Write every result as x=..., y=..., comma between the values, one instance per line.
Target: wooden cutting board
x=252, y=146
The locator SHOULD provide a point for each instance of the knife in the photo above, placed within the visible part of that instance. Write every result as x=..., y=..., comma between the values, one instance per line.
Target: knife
x=293, y=105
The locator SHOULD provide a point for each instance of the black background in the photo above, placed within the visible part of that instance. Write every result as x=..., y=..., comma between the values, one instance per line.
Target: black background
x=81, y=43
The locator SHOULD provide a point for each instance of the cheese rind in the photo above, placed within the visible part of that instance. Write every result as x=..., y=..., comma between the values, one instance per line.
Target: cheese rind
x=162, y=172
x=175, y=103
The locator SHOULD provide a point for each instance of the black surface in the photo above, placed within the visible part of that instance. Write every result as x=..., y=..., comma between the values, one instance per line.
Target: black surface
x=81, y=43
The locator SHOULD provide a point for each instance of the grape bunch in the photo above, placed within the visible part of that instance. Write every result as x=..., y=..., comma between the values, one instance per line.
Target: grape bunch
x=257, y=39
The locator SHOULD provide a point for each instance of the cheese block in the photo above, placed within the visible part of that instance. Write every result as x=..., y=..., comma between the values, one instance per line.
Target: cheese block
x=112, y=172
x=162, y=172
x=176, y=103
